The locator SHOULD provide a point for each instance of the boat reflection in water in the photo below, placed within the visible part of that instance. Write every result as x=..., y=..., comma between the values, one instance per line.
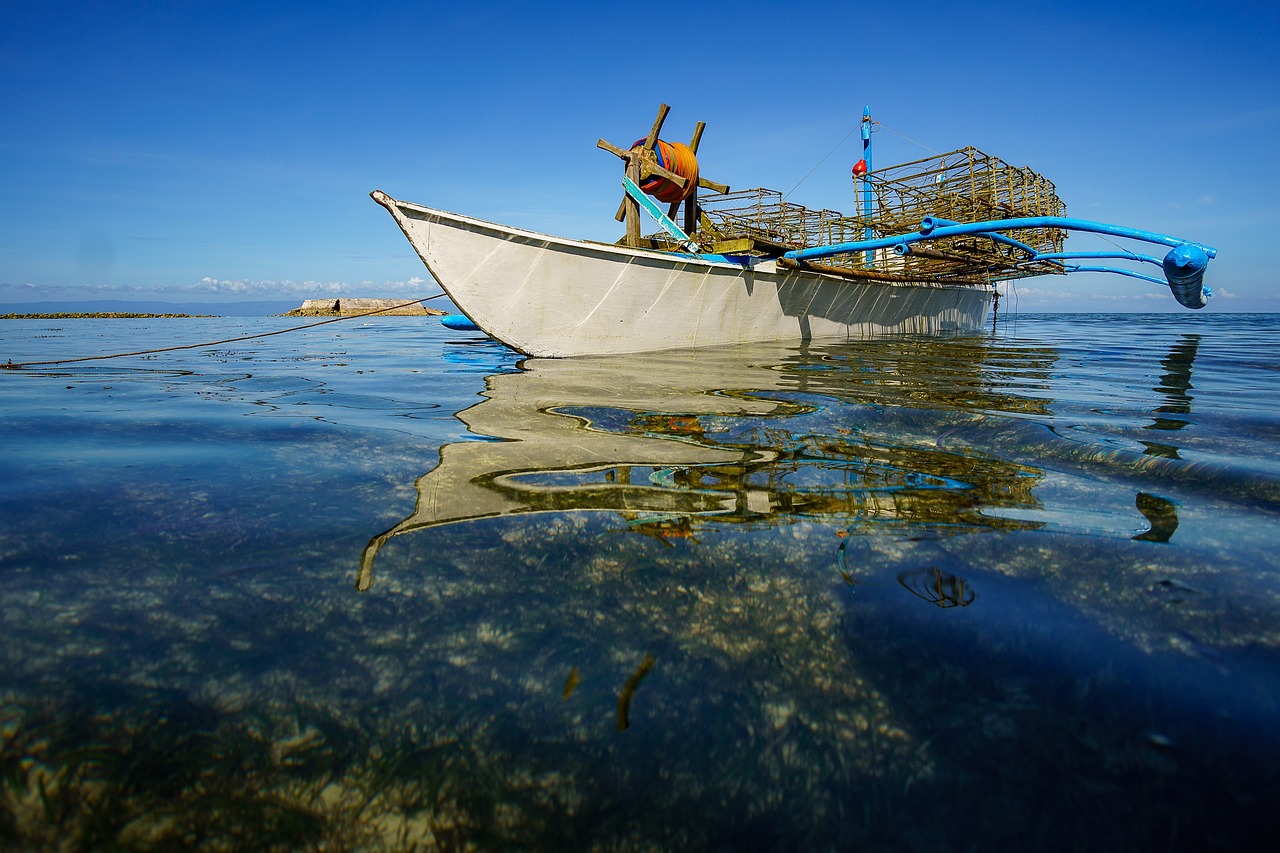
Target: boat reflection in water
x=888, y=572
x=872, y=436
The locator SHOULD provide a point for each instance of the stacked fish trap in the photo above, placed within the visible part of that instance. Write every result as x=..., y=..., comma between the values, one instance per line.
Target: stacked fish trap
x=964, y=186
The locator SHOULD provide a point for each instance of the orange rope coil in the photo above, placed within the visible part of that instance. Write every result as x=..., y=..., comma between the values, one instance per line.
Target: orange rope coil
x=674, y=157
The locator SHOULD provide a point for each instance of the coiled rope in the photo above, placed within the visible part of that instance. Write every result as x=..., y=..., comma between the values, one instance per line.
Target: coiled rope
x=11, y=365
x=674, y=157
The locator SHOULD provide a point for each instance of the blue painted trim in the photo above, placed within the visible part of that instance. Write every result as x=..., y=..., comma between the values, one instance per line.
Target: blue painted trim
x=736, y=260
x=653, y=210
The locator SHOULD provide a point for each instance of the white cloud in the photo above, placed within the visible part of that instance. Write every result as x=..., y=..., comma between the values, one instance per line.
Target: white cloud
x=308, y=288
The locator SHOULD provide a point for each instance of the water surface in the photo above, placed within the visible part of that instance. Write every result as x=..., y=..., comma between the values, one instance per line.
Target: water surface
x=379, y=584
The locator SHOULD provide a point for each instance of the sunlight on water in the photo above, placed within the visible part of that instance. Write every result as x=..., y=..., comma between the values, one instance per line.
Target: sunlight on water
x=385, y=585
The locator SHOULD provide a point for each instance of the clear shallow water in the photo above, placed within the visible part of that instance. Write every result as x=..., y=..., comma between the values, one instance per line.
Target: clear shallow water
x=371, y=586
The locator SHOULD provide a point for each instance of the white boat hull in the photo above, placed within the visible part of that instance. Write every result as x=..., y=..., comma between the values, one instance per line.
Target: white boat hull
x=552, y=297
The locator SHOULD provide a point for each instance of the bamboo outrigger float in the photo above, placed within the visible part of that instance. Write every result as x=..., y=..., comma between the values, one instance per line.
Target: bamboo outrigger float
x=923, y=255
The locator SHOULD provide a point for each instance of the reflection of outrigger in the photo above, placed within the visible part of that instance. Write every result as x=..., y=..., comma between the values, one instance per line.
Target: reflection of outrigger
x=922, y=255
x=663, y=528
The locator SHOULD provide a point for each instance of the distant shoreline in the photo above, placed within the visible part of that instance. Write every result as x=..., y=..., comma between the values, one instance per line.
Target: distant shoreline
x=121, y=310
x=99, y=315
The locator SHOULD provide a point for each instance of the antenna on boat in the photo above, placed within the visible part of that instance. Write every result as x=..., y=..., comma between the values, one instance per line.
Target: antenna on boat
x=669, y=172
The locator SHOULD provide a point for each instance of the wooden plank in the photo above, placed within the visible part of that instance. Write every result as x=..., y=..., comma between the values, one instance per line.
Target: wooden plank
x=632, y=206
x=749, y=245
x=611, y=148
x=712, y=185
x=737, y=246
x=697, y=136
x=652, y=138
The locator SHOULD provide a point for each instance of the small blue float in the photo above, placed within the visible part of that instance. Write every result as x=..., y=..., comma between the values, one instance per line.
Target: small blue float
x=459, y=323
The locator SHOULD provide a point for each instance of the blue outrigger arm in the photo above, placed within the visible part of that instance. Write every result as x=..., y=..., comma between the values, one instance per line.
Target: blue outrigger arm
x=1184, y=265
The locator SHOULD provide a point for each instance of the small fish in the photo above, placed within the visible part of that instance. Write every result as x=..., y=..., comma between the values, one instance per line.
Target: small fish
x=629, y=689
x=944, y=439
x=571, y=684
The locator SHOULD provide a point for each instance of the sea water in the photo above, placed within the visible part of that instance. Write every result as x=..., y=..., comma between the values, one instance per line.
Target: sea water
x=378, y=585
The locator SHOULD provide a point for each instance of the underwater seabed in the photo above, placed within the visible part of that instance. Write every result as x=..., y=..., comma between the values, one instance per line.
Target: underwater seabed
x=475, y=700
x=1024, y=599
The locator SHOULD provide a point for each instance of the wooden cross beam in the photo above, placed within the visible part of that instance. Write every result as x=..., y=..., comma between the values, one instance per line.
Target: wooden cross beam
x=642, y=164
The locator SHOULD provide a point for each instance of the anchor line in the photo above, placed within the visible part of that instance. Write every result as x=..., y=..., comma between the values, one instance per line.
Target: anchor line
x=11, y=365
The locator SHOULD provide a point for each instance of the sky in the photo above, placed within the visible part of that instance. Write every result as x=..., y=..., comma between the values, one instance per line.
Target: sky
x=225, y=151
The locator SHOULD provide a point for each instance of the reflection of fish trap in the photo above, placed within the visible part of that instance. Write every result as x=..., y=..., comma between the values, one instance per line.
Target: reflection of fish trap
x=936, y=588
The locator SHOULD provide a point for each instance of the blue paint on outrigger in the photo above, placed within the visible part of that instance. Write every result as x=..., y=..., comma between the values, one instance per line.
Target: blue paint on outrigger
x=1184, y=266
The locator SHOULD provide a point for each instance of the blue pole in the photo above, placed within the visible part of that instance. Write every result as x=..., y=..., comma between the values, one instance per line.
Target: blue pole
x=867, y=234
x=1070, y=256
x=990, y=235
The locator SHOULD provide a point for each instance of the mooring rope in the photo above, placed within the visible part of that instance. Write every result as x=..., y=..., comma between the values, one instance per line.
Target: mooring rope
x=11, y=365
x=675, y=157
x=908, y=138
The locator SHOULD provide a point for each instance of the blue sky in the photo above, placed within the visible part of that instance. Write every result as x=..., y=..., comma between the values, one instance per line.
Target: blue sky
x=215, y=151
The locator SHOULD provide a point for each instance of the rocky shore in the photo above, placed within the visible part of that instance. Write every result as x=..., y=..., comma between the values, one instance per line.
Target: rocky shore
x=345, y=307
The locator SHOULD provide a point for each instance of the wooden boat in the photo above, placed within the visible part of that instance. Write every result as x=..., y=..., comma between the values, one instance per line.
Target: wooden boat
x=922, y=256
